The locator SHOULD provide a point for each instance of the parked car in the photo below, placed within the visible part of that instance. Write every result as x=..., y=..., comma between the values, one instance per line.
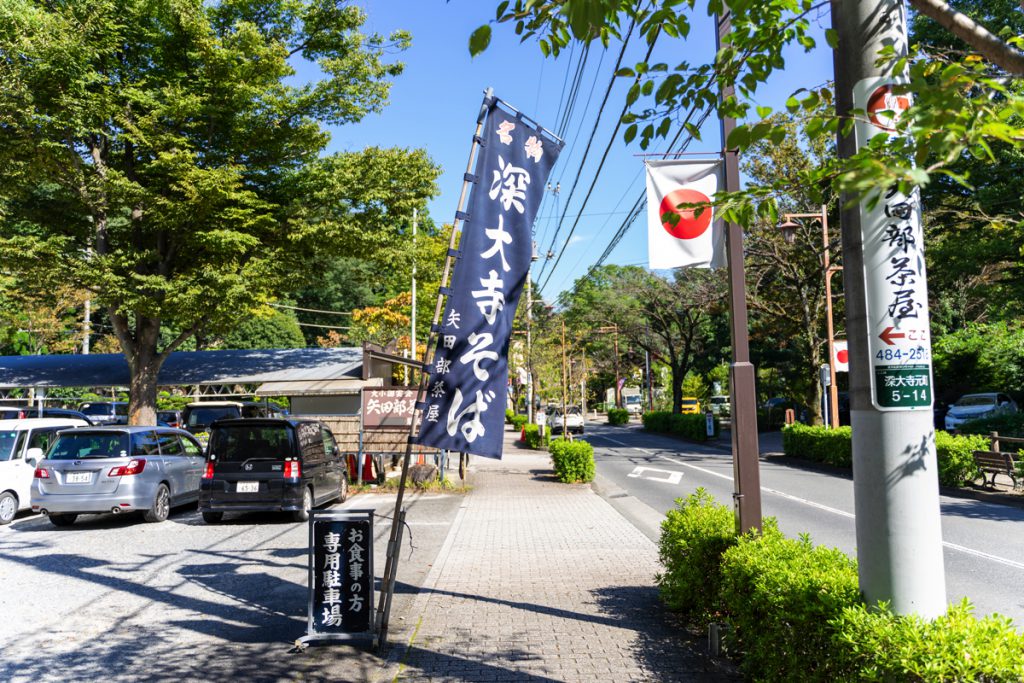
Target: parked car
x=197, y=417
x=573, y=422
x=271, y=465
x=60, y=413
x=106, y=412
x=169, y=418
x=10, y=412
x=977, y=406
x=92, y=470
x=720, y=406
x=689, y=405
x=22, y=445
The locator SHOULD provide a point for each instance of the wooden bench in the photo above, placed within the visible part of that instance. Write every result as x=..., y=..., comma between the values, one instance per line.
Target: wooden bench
x=995, y=463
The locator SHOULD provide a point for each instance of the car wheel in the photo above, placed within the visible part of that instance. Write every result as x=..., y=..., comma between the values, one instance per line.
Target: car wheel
x=343, y=488
x=161, y=509
x=307, y=505
x=62, y=520
x=8, y=507
x=212, y=517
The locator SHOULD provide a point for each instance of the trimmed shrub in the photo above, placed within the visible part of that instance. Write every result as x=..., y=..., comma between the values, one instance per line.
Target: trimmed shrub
x=693, y=537
x=573, y=460
x=1011, y=424
x=834, y=447
x=820, y=444
x=781, y=594
x=519, y=421
x=508, y=415
x=880, y=646
x=618, y=416
x=689, y=426
x=956, y=459
x=532, y=437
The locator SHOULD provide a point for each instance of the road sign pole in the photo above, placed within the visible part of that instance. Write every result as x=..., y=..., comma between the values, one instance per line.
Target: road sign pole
x=899, y=539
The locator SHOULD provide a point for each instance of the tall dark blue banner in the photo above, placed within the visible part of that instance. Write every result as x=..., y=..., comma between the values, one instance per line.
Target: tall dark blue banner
x=465, y=400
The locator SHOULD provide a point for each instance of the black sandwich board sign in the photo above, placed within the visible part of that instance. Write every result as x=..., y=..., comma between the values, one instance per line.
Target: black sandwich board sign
x=340, y=575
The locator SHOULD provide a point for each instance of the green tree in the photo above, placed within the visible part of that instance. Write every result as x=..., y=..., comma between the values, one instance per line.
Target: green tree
x=163, y=157
x=271, y=330
x=678, y=321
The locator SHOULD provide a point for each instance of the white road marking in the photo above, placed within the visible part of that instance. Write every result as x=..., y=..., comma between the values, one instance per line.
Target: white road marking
x=669, y=478
x=810, y=503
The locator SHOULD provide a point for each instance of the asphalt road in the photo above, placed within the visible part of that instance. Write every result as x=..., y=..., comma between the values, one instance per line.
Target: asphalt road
x=115, y=598
x=983, y=542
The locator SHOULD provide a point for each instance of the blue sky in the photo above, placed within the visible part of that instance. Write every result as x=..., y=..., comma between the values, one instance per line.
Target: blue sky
x=435, y=101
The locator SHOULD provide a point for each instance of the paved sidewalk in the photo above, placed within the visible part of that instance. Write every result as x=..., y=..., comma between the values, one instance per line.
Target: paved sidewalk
x=543, y=581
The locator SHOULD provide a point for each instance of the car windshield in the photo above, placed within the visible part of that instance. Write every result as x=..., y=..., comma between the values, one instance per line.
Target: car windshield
x=719, y=399
x=238, y=443
x=81, y=445
x=632, y=400
x=689, y=401
x=7, y=440
x=976, y=401
x=205, y=416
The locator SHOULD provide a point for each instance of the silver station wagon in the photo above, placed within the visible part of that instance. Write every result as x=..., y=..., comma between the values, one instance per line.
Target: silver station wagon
x=93, y=470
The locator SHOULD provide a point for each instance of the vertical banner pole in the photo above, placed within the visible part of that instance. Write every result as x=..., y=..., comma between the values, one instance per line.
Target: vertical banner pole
x=745, y=455
x=391, y=563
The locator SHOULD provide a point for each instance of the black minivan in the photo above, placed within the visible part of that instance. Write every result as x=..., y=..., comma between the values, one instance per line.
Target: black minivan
x=270, y=464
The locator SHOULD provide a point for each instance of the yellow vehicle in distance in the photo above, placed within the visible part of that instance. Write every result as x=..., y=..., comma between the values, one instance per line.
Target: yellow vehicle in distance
x=689, y=406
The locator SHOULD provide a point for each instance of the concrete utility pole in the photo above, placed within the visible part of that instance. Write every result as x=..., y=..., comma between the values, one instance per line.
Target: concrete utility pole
x=895, y=479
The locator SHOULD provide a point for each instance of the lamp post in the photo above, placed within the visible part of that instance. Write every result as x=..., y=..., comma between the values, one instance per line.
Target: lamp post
x=612, y=327
x=788, y=228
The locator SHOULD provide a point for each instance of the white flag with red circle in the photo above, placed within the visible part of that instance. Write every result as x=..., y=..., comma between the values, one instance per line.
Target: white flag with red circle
x=696, y=239
x=840, y=355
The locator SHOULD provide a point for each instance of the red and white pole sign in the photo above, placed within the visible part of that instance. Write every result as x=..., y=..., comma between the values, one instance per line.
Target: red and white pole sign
x=895, y=279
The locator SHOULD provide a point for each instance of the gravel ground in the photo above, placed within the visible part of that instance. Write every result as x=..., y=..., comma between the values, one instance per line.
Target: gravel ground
x=114, y=598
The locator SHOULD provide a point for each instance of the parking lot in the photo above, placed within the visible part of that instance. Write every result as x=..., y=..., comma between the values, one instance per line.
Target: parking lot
x=114, y=598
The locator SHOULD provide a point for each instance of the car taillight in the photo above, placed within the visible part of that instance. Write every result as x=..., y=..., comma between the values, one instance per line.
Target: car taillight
x=208, y=472
x=292, y=469
x=133, y=467
x=41, y=473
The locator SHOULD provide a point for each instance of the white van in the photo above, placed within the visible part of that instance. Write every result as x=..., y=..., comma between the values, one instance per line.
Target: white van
x=23, y=443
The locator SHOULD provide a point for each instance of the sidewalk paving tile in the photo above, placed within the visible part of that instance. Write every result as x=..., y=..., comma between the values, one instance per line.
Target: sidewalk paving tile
x=544, y=581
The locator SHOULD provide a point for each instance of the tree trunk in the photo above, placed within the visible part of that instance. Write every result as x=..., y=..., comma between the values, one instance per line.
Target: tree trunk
x=677, y=389
x=144, y=363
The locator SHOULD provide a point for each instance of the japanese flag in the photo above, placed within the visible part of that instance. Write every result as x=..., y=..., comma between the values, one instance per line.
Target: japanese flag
x=692, y=241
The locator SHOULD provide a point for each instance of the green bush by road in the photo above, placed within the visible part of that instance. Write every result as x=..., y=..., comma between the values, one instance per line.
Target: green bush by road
x=794, y=611
x=834, y=447
x=618, y=416
x=692, y=427
x=573, y=460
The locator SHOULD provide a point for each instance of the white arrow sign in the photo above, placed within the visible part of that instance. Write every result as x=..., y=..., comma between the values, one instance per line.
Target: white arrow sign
x=669, y=478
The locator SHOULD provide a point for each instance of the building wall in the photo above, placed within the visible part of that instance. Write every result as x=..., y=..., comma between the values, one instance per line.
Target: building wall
x=346, y=404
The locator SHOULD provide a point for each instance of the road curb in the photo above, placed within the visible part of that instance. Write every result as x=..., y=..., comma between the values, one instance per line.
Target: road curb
x=646, y=519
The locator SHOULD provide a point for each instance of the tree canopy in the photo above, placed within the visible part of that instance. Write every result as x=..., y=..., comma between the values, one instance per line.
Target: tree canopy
x=163, y=157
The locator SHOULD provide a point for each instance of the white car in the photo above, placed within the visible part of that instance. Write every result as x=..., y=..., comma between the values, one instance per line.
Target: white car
x=978, y=406
x=573, y=422
x=23, y=443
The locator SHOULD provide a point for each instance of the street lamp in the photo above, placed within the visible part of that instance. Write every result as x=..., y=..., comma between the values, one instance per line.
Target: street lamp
x=788, y=228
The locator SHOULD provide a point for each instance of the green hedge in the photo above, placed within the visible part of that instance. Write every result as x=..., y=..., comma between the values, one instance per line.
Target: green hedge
x=1007, y=425
x=820, y=444
x=834, y=447
x=795, y=613
x=780, y=594
x=693, y=538
x=509, y=413
x=532, y=437
x=573, y=460
x=519, y=421
x=690, y=426
x=618, y=416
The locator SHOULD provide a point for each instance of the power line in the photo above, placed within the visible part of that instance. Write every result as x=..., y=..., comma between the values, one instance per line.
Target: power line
x=593, y=133
x=311, y=310
x=326, y=327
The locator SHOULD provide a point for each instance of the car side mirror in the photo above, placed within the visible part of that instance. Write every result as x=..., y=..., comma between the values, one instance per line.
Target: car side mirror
x=33, y=456
x=335, y=451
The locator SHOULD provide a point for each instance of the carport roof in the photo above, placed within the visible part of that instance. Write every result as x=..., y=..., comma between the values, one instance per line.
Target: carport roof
x=248, y=366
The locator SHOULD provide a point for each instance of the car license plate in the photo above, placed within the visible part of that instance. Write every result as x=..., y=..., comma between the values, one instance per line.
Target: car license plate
x=248, y=487
x=79, y=477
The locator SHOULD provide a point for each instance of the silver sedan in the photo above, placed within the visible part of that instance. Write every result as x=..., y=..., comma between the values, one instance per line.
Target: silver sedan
x=93, y=470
